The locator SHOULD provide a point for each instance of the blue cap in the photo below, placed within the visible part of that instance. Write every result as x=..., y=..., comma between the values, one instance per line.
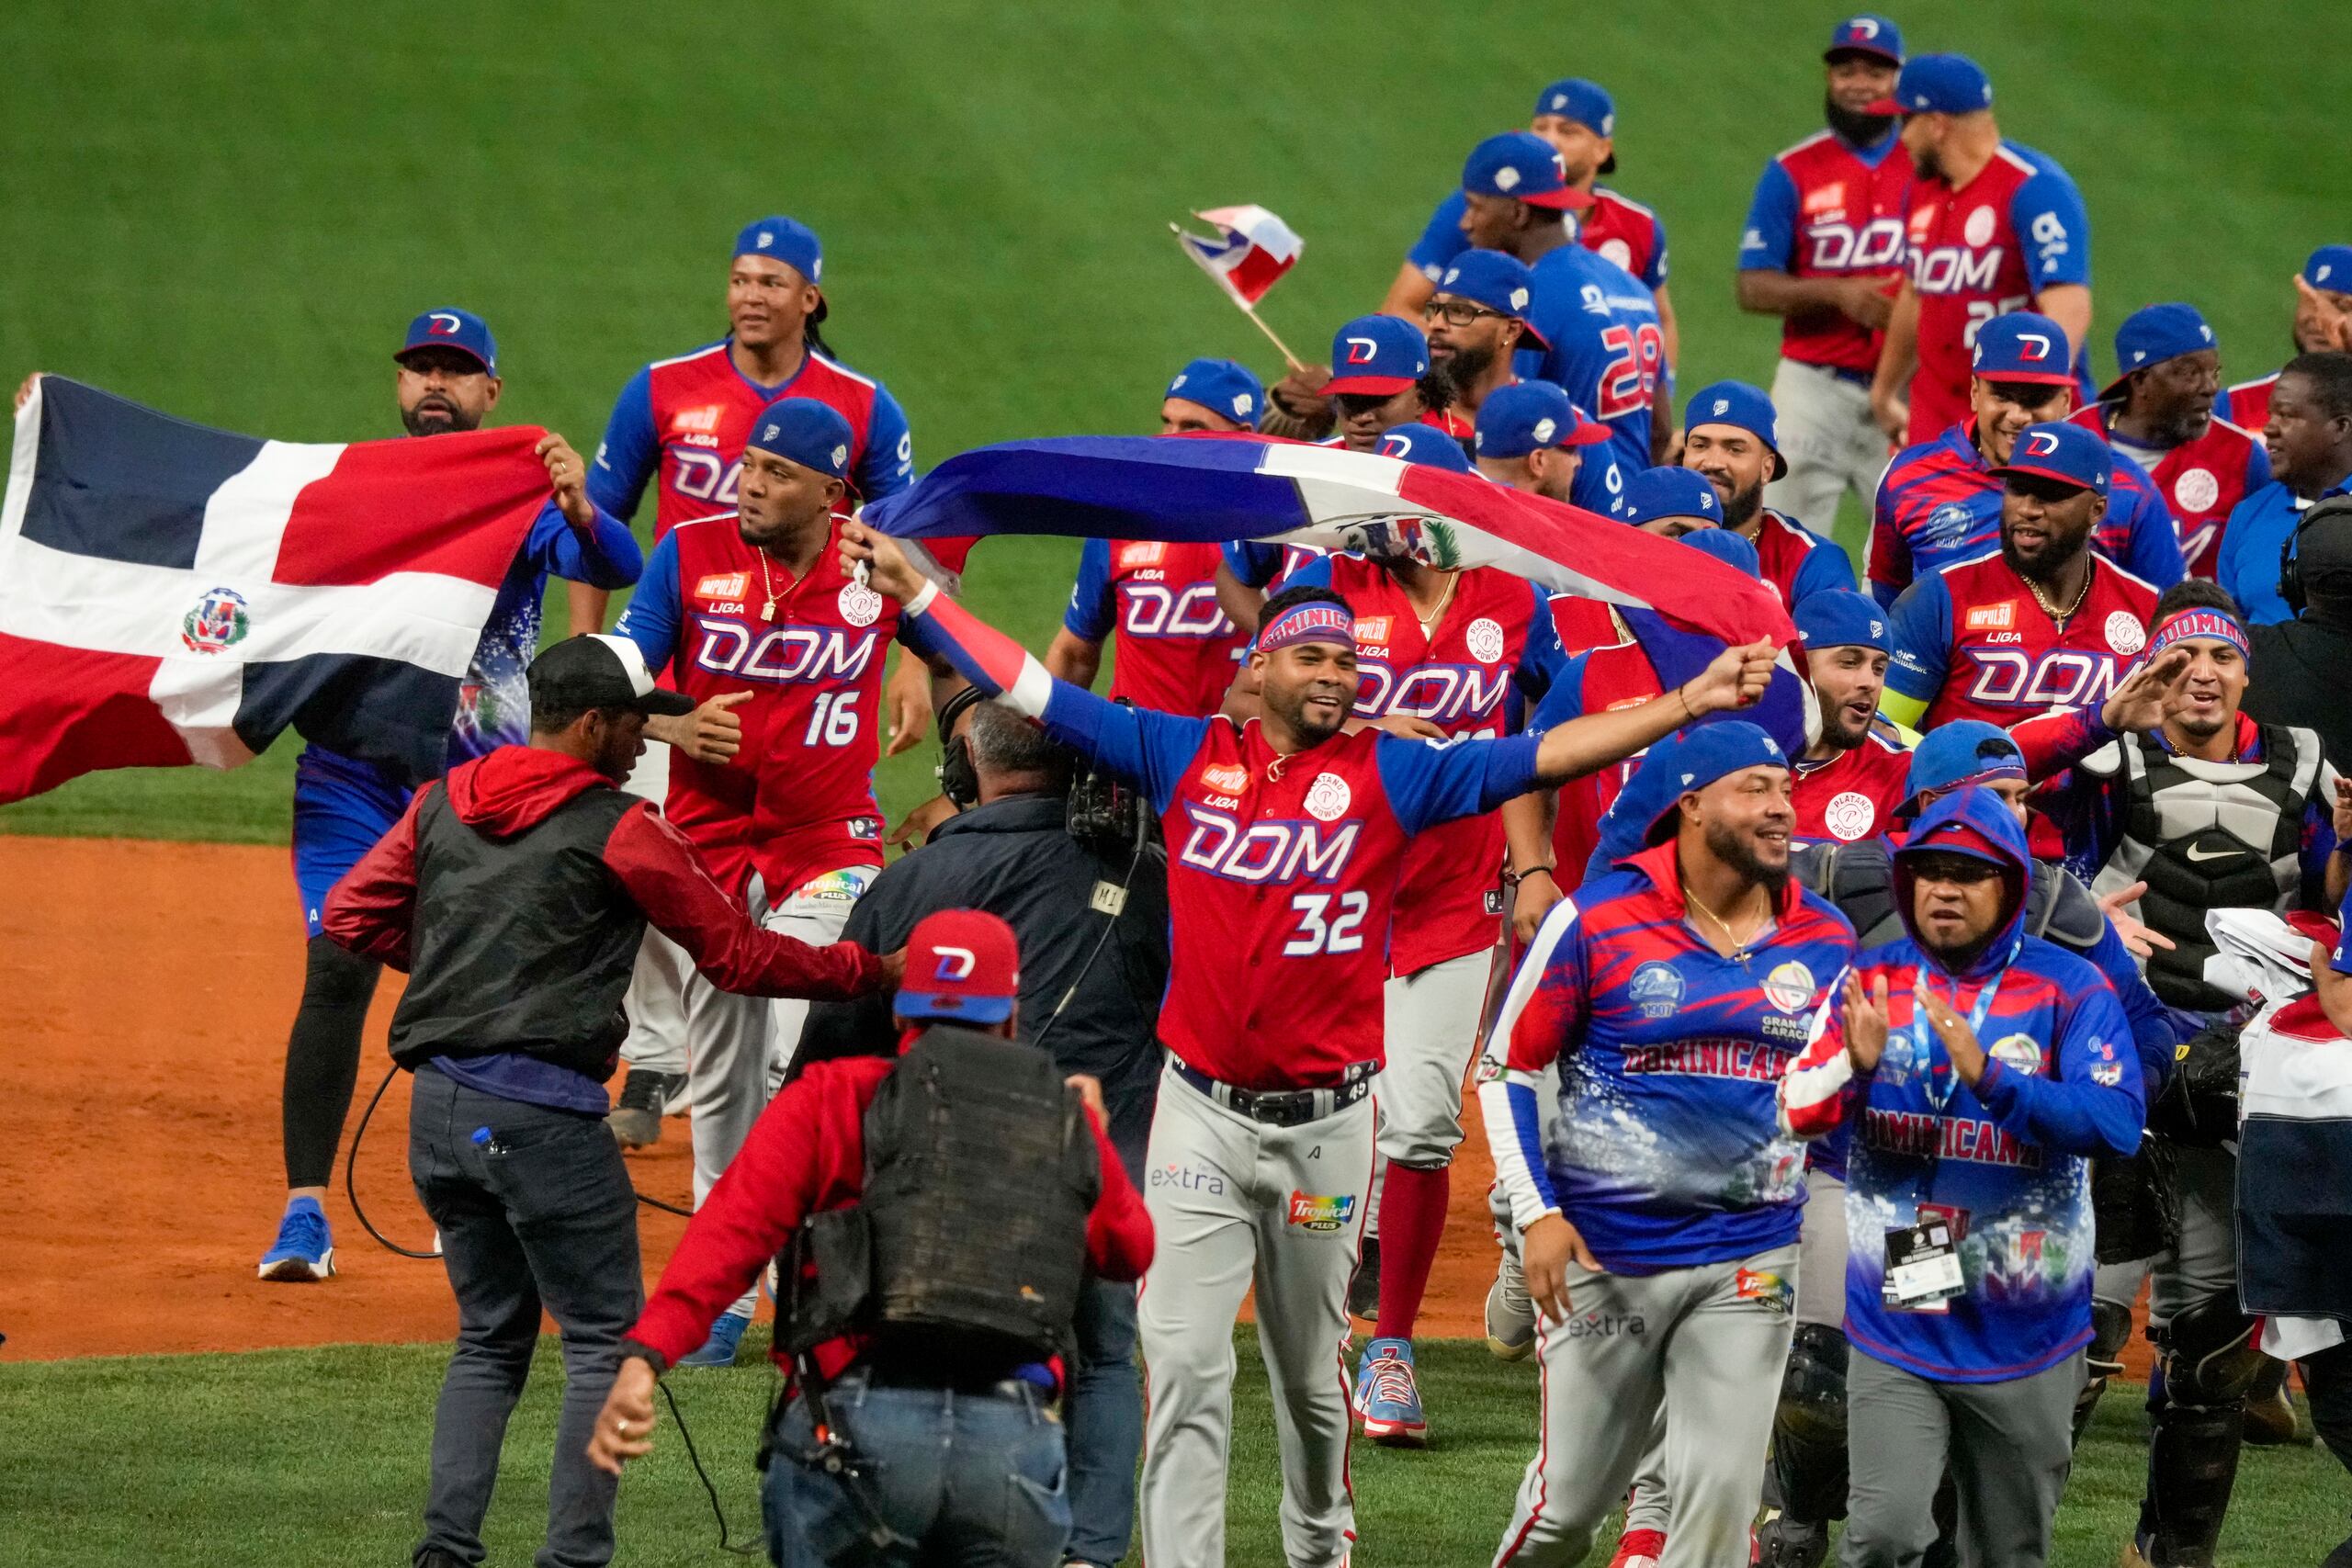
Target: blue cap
x=1728, y=546
x=1938, y=84
x=1523, y=166
x=1669, y=493
x=1839, y=618
x=1380, y=354
x=786, y=239
x=1866, y=34
x=1498, y=282
x=1517, y=419
x=1587, y=103
x=460, y=330
x=2329, y=268
x=807, y=432
x=2064, y=451
x=2152, y=334
x=1699, y=754
x=2023, y=345
x=1425, y=444
x=1224, y=386
x=1966, y=751
x=1742, y=406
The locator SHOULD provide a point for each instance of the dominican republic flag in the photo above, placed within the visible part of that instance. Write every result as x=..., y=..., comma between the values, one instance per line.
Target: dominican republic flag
x=1251, y=251
x=172, y=594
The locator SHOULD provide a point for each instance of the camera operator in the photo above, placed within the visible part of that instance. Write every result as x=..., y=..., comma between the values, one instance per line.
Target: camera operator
x=941, y=1203
x=1091, y=917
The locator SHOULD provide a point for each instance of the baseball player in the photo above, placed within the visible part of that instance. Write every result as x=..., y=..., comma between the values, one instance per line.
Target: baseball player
x=1658, y=1224
x=1940, y=501
x=1531, y=437
x=751, y=614
x=1603, y=344
x=1476, y=322
x=1822, y=250
x=1848, y=781
x=1287, y=838
x=1176, y=648
x=1579, y=119
x=1994, y=227
x=2323, y=323
x=447, y=380
x=2158, y=412
x=1730, y=436
x=1458, y=654
x=2308, y=438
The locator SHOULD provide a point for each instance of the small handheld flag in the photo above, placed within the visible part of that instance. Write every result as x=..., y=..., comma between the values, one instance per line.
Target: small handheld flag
x=1248, y=255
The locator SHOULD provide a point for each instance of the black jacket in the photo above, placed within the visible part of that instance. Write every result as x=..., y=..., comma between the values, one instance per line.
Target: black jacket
x=1012, y=859
x=2302, y=675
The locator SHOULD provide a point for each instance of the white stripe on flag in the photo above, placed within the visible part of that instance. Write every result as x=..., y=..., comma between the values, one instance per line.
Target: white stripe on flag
x=24, y=450
x=1336, y=483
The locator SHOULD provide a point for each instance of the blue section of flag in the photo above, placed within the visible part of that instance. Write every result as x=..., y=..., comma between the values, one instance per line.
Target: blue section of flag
x=123, y=482
x=1130, y=487
x=1678, y=656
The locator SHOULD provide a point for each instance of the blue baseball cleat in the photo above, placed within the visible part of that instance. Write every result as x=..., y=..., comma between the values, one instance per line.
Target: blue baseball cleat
x=304, y=1250
x=1389, y=1399
x=719, y=1350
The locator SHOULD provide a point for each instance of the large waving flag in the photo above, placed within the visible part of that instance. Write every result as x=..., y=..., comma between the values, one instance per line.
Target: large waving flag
x=1221, y=487
x=173, y=594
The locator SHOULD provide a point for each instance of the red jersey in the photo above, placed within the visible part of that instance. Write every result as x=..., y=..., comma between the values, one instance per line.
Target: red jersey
x=1177, y=650
x=1798, y=561
x=1852, y=794
x=2202, y=481
x=2247, y=404
x=1448, y=900
x=1827, y=209
x=1619, y=676
x=1626, y=232
x=1979, y=252
x=682, y=423
x=798, y=800
x=1972, y=642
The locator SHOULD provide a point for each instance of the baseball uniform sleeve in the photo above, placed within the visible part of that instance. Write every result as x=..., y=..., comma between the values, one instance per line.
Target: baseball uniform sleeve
x=1118, y=1228
x=1544, y=657
x=2152, y=548
x=1429, y=781
x=655, y=614
x=1652, y=271
x=1254, y=564
x=1543, y=1017
x=1815, y=1089
x=372, y=910
x=1922, y=620
x=2055, y=741
x=2053, y=228
x=1442, y=239
x=2152, y=1036
x=889, y=464
x=607, y=556
x=1886, y=559
x=2318, y=840
x=1768, y=241
x=2341, y=959
x=2072, y=1111
x=1093, y=604
x=1824, y=568
x=630, y=451
x=1313, y=573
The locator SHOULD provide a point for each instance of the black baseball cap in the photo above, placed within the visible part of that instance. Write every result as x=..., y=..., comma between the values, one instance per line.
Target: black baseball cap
x=598, y=672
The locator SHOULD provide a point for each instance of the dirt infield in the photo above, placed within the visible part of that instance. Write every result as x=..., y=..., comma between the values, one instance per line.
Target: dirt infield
x=148, y=991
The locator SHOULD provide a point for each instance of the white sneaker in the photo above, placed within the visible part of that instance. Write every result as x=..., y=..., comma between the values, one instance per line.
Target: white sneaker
x=1510, y=1315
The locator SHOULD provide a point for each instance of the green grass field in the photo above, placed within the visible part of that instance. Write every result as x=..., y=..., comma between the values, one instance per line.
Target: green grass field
x=230, y=211
x=318, y=1457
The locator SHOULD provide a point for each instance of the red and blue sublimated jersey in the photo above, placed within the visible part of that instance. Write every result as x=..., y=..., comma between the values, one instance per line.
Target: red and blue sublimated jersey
x=1972, y=642
x=1668, y=1153
x=1177, y=650
x=1798, y=561
x=1281, y=870
x=685, y=421
x=1851, y=795
x=1606, y=351
x=1825, y=208
x=1940, y=502
x=2006, y=1163
x=1622, y=229
x=1982, y=250
x=798, y=800
x=2200, y=481
x=2247, y=404
x=1492, y=652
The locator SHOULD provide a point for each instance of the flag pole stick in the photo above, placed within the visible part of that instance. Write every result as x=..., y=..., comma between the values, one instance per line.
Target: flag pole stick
x=1245, y=307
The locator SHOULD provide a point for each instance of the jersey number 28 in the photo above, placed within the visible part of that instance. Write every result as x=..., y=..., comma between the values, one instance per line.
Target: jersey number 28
x=1636, y=356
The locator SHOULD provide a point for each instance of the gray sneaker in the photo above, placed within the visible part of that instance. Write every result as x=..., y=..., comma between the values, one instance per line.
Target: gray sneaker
x=636, y=1118
x=1510, y=1315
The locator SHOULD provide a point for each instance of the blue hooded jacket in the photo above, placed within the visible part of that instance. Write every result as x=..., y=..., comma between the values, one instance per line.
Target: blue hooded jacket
x=2007, y=1161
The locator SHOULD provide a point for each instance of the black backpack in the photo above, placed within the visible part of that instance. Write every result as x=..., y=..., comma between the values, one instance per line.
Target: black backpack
x=968, y=1244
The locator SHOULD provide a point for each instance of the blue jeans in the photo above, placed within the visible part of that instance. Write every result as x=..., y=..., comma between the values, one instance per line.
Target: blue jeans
x=962, y=1479
x=1105, y=1424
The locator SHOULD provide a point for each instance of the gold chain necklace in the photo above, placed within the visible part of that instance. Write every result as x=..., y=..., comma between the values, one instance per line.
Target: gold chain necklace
x=2056, y=613
x=1740, y=952
x=1429, y=621
x=768, y=611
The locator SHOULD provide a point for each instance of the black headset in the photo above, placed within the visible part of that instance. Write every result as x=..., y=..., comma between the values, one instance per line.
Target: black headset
x=2291, y=586
x=959, y=779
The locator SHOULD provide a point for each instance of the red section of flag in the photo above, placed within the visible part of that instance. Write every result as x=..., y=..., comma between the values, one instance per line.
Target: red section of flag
x=70, y=710
x=458, y=506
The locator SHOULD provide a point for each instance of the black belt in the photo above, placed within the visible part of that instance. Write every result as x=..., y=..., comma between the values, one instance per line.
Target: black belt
x=1283, y=1107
